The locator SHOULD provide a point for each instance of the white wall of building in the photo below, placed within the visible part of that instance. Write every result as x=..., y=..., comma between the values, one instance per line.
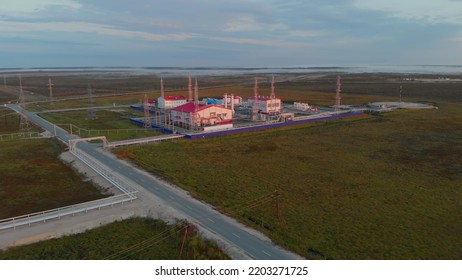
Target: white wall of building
x=169, y=103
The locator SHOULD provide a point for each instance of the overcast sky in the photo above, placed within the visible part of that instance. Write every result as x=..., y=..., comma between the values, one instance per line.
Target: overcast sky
x=236, y=33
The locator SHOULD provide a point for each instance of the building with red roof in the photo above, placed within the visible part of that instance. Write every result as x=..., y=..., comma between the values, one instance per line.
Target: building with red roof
x=194, y=115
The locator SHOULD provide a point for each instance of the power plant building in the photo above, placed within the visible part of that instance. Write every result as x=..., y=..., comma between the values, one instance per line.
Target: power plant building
x=195, y=115
x=266, y=105
x=169, y=102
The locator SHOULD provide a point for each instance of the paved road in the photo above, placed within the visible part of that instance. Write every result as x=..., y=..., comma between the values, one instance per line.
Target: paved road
x=230, y=231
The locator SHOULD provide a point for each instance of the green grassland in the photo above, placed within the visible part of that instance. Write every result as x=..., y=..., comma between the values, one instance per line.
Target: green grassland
x=378, y=187
x=114, y=124
x=33, y=179
x=137, y=238
x=9, y=121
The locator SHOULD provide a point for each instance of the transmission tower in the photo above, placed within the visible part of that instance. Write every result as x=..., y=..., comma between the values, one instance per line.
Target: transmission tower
x=4, y=81
x=24, y=120
x=337, y=95
x=91, y=111
x=50, y=88
x=147, y=117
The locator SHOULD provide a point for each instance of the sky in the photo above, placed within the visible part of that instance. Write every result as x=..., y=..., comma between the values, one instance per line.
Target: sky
x=229, y=33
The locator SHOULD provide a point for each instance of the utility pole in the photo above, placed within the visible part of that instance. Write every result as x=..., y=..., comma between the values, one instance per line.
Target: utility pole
x=184, y=240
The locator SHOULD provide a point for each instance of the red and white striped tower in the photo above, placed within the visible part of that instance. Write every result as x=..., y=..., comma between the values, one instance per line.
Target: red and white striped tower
x=337, y=94
x=273, y=93
x=147, y=117
x=190, y=89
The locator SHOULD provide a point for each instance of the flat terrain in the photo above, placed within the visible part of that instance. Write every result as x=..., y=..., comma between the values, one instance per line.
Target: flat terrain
x=137, y=238
x=113, y=123
x=375, y=187
x=378, y=187
x=34, y=179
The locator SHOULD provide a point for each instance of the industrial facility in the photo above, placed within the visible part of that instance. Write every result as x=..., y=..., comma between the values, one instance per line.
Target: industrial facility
x=211, y=116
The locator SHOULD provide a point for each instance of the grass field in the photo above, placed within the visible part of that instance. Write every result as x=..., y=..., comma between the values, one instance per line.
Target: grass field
x=379, y=187
x=106, y=124
x=9, y=121
x=33, y=179
x=133, y=239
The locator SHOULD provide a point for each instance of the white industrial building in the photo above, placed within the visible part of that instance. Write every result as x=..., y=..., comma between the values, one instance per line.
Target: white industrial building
x=266, y=105
x=169, y=102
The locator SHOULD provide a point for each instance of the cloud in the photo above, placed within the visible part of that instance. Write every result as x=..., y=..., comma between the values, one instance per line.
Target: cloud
x=262, y=42
x=248, y=23
x=26, y=7
x=429, y=11
x=306, y=33
x=84, y=27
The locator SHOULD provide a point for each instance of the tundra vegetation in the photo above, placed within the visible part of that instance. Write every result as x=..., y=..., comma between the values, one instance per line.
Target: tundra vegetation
x=382, y=186
x=377, y=187
x=134, y=239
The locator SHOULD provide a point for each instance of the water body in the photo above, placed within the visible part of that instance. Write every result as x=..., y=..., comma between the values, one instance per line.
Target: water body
x=226, y=71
